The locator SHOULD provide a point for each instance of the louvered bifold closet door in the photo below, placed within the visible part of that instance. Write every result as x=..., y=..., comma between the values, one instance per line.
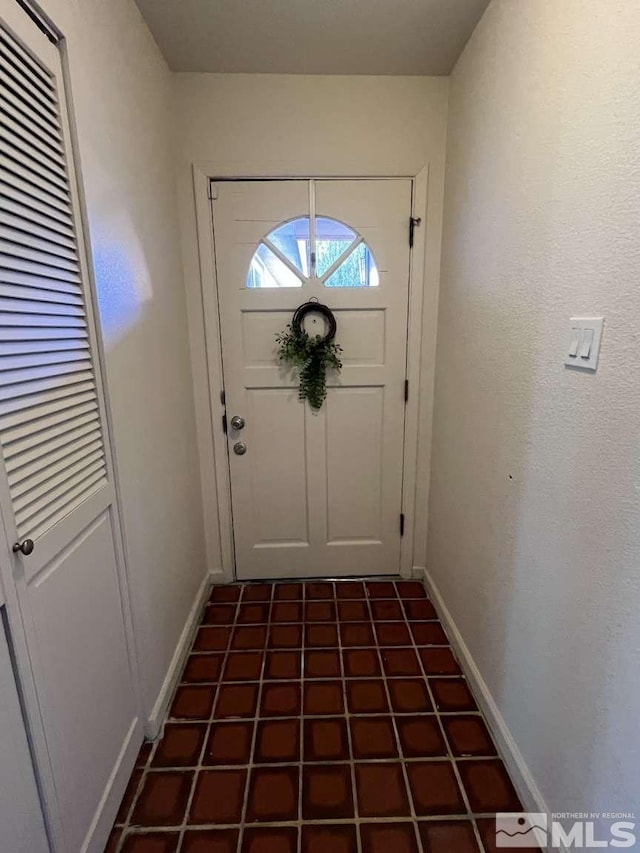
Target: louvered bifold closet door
x=50, y=421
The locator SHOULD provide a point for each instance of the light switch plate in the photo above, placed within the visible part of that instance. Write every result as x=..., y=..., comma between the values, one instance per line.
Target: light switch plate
x=583, y=344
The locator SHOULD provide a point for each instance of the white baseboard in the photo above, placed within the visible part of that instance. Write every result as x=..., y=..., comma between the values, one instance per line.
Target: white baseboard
x=521, y=776
x=158, y=714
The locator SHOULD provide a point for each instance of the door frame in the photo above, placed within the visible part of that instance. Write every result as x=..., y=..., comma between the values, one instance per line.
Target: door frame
x=204, y=317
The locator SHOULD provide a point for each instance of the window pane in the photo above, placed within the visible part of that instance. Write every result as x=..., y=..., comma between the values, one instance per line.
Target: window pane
x=267, y=270
x=292, y=239
x=332, y=240
x=358, y=270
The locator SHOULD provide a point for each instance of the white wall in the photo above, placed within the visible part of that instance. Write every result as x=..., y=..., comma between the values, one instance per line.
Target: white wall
x=121, y=90
x=280, y=125
x=534, y=540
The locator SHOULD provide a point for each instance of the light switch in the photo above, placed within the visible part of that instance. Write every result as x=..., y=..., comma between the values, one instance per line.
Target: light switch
x=584, y=342
x=575, y=342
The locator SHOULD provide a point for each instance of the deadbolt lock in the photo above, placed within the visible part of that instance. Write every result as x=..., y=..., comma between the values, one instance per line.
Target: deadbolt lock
x=237, y=422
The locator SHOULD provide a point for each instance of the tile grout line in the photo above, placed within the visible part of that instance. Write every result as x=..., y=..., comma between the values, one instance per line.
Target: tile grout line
x=443, y=733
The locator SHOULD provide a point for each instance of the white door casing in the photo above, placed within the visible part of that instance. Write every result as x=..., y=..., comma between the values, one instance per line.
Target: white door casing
x=57, y=482
x=316, y=494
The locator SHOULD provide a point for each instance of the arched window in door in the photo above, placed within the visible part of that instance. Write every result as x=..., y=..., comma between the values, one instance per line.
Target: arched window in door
x=297, y=252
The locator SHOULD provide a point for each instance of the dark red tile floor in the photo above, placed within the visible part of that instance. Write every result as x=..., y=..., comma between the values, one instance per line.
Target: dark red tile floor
x=318, y=718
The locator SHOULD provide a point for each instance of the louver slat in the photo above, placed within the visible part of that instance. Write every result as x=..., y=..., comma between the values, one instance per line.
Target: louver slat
x=50, y=427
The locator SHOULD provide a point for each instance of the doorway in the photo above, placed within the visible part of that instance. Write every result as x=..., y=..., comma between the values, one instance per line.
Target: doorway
x=314, y=494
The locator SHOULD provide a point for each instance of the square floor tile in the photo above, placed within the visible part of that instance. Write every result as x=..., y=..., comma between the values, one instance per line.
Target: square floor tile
x=273, y=795
x=452, y=694
x=410, y=589
x=180, y=746
x=434, y=788
x=254, y=613
x=420, y=610
x=488, y=786
x=326, y=740
x=468, y=735
x=389, y=838
x=277, y=741
x=372, y=737
x=287, y=611
x=381, y=790
x=288, y=592
x=360, y=663
x=236, y=700
x=409, y=696
x=439, y=661
x=321, y=636
x=327, y=792
x=350, y=589
x=318, y=591
x=229, y=743
x=210, y=639
x=151, y=842
x=366, y=697
x=321, y=664
x=192, y=702
x=114, y=839
x=356, y=634
x=386, y=611
x=398, y=662
x=353, y=611
x=219, y=614
x=420, y=737
x=283, y=665
x=163, y=799
x=201, y=668
x=280, y=700
x=323, y=697
x=210, y=841
x=448, y=836
x=285, y=637
x=380, y=589
x=257, y=592
x=393, y=634
x=218, y=796
x=429, y=634
x=328, y=838
x=270, y=839
x=243, y=666
x=320, y=611
x=249, y=637
x=225, y=593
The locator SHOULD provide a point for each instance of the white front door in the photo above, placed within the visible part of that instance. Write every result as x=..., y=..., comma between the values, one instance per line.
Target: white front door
x=317, y=493
x=56, y=480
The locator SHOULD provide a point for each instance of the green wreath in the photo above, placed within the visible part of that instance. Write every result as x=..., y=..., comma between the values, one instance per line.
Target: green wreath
x=313, y=356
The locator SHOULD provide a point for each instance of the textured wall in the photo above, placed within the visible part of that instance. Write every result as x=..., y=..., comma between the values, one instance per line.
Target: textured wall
x=534, y=534
x=121, y=91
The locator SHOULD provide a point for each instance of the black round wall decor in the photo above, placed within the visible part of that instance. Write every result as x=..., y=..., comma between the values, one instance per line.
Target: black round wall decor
x=315, y=307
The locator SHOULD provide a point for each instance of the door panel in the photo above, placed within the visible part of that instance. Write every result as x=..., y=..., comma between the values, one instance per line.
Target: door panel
x=56, y=478
x=316, y=493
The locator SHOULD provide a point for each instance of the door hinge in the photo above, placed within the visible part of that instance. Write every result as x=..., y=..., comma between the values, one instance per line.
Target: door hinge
x=406, y=390
x=224, y=423
x=401, y=524
x=213, y=191
x=414, y=222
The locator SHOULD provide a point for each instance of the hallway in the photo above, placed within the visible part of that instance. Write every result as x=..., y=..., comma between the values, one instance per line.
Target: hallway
x=340, y=705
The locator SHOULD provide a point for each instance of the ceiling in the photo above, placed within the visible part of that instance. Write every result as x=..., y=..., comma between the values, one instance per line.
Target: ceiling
x=312, y=36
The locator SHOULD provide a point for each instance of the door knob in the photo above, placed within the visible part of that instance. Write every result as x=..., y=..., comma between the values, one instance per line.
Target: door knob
x=237, y=422
x=25, y=547
x=239, y=448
